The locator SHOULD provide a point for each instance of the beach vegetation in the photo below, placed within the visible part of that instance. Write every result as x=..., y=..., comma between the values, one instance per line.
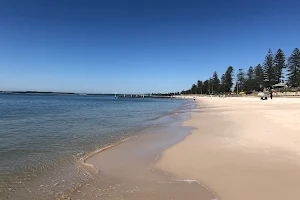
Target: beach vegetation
x=215, y=83
x=279, y=65
x=269, y=70
x=250, y=80
x=294, y=68
x=258, y=78
x=194, y=89
x=241, y=81
x=228, y=79
x=200, y=87
x=275, y=69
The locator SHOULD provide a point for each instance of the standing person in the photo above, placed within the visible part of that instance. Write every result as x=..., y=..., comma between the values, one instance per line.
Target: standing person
x=271, y=93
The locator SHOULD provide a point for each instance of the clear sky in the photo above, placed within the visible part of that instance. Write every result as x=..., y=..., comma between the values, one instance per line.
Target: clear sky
x=137, y=46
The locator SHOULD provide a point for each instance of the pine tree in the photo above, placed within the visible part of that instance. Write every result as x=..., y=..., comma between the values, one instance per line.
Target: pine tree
x=294, y=68
x=269, y=72
x=194, y=89
x=222, y=84
x=279, y=65
x=258, y=77
x=210, y=86
x=250, y=84
x=240, y=80
x=206, y=87
x=228, y=79
x=199, y=86
x=215, y=83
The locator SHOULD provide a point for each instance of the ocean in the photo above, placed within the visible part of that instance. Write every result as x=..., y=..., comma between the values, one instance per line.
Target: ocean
x=42, y=137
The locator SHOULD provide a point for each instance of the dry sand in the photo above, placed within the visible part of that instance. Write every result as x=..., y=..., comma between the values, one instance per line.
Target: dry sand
x=241, y=148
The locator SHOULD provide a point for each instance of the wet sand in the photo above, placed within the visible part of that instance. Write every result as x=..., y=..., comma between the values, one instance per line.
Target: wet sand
x=241, y=148
x=127, y=171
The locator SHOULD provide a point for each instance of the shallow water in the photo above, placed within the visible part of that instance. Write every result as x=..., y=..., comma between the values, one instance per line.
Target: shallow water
x=127, y=171
x=42, y=137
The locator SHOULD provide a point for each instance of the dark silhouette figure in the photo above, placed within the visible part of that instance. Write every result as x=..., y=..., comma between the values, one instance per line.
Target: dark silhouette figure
x=271, y=94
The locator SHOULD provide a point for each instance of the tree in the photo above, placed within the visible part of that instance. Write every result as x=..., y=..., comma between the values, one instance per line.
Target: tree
x=194, y=89
x=210, y=86
x=294, y=68
x=240, y=80
x=258, y=77
x=188, y=91
x=215, y=83
x=250, y=82
x=269, y=72
x=206, y=87
x=199, y=86
x=222, y=85
x=279, y=65
x=228, y=79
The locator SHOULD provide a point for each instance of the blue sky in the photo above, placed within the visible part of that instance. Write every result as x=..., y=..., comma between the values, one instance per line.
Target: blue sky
x=136, y=46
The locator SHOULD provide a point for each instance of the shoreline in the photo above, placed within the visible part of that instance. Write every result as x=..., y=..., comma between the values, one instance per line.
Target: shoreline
x=69, y=173
x=241, y=148
x=105, y=148
x=116, y=143
x=128, y=169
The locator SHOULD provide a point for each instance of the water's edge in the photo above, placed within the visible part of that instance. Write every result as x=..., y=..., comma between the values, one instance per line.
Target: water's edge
x=186, y=186
x=63, y=181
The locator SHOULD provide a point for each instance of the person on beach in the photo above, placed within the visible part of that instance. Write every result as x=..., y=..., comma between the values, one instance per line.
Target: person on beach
x=271, y=94
x=262, y=96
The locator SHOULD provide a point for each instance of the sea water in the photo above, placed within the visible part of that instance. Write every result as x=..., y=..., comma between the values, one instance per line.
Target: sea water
x=42, y=137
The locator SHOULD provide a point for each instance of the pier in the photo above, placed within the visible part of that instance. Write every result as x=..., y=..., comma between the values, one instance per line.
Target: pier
x=142, y=96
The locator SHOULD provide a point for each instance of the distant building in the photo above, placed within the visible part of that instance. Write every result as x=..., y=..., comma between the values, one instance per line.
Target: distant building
x=280, y=85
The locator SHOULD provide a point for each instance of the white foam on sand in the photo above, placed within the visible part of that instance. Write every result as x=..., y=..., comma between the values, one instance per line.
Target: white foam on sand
x=187, y=181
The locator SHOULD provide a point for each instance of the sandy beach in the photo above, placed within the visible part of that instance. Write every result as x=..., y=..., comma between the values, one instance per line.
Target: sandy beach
x=127, y=170
x=241, y=148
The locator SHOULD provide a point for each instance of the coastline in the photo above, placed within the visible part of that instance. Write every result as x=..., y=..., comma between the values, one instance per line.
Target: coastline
x=232, y=148
x=127, y=171
x=105, y=148
x=55, y=138
x=241, y=148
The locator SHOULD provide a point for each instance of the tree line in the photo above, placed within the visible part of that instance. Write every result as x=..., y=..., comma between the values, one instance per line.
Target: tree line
x=275, y=69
